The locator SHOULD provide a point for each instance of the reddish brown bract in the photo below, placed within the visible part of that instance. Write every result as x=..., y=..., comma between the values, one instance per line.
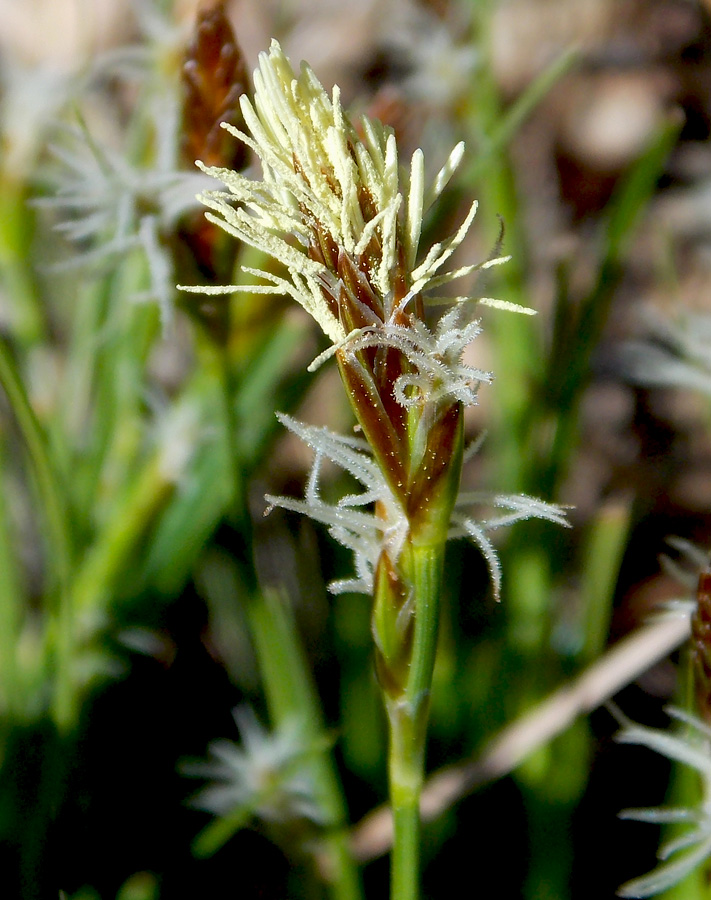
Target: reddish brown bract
x=214, y=77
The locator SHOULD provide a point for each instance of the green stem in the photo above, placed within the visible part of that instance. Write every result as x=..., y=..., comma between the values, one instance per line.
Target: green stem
x=511, y=120
x=284, y=670
x=405, y=862
x=408, y=716
x=11, y=607
x=289, y=688
x=111, y=552
x=23, y=305
x=47, y=483
x=57, y=525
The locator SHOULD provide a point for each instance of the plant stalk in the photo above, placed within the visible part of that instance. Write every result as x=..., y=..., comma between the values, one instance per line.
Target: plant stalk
x=288, y=684
x=58, y=538
x=408, y=715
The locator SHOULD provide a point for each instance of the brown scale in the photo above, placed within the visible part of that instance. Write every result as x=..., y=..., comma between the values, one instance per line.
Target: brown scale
x=370, y=373
x=214, y=76
x=701, y=644
x=380, y=430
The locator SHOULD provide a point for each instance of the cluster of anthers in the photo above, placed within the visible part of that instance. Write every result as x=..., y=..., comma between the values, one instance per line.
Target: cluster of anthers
x=344, y=222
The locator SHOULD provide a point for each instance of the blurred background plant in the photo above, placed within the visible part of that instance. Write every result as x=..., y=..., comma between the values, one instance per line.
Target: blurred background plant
x=142, y=595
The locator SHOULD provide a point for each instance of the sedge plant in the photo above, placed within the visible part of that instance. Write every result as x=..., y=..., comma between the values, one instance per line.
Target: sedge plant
x=683, y=857
x=675, y=354
x=335, y=209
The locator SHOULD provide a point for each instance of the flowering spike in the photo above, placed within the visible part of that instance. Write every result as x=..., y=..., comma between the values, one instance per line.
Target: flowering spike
x=214, y=76
x=331, y=208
